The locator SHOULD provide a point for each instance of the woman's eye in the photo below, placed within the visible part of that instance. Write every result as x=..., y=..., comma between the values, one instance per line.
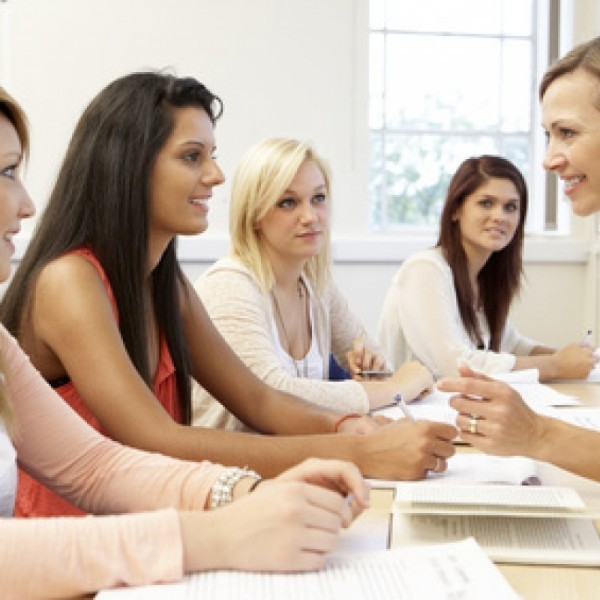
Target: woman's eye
x=566, y=133
x=511, y=207
x=485, y=203
x=319, y=198
x=191, y=156
x=10, y=172
x=286, y=203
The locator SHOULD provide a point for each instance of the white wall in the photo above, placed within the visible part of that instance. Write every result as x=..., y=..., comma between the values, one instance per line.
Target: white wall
x=283, y=67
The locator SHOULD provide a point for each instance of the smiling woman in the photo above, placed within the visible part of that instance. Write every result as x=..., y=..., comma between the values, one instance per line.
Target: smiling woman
x=449, y=305
x=571, y=123
x=122, y=346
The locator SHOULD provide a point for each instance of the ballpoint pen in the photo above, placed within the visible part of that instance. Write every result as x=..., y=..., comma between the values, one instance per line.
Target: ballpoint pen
x=586, y=337
x=370, y=373
x=402, y=406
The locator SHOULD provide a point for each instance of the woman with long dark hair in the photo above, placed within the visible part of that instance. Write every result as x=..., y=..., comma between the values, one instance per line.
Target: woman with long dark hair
x=493, y=417
x=290, y=523
x=449, y=305
x=102, y=307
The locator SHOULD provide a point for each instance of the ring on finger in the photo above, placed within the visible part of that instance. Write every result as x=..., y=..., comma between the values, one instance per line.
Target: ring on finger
x=472, y=425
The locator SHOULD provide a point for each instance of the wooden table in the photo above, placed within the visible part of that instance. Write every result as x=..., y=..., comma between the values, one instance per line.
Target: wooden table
x=372, y=530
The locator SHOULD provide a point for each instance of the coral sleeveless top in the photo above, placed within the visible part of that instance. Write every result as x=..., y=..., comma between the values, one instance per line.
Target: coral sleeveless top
x=35, y=499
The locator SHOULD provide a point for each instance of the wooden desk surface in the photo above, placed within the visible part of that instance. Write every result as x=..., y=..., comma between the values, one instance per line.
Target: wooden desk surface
x=531, y=582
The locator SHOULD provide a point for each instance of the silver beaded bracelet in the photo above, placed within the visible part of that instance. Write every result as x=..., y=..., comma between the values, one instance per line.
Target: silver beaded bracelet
x=221, y=492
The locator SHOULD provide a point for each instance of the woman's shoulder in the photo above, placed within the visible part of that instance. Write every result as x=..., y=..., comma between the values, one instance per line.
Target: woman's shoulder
x=430, y=258
x=70, y=270
x=228, y=276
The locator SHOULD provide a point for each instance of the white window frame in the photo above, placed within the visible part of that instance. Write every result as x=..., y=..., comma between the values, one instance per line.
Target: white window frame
x=543, y=217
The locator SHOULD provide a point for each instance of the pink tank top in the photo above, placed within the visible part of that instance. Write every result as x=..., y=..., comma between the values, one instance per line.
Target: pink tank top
x=35, y=499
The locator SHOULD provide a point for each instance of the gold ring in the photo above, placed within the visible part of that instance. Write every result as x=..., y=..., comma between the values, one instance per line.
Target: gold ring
x=472, y=425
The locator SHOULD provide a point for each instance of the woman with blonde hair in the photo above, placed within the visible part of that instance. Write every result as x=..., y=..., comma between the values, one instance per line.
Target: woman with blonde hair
x=274, y=300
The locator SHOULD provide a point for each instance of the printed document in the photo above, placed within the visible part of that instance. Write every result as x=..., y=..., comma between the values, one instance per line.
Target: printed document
x=459, y=570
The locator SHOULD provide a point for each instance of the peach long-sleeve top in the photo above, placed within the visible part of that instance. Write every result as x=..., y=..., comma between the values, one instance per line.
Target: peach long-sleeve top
x=64, y=557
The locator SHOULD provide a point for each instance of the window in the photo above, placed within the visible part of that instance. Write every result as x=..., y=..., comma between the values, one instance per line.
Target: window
x=451, y=79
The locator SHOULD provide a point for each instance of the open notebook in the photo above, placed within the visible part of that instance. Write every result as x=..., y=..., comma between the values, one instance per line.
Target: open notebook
x=513, y=524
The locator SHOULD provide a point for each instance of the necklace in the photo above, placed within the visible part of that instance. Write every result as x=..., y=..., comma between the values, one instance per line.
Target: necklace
x=304, y=372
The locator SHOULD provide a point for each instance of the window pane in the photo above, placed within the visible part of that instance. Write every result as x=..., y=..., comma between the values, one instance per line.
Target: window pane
x=376, y=187
x=517, y=85
x=418, y=169
x=376, y=80
x=445, y=16
x=517, y=16
x=376, y=14
x=443, y=82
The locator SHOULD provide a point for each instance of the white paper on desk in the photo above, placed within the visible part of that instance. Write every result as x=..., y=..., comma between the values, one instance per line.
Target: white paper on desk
x=487, y=499
x=458, y=570
x=594, y=376
x=483, y=468
x=507, y=539
x=534, y=393
x=471, y=468
x=582, y=417
x=432, y=407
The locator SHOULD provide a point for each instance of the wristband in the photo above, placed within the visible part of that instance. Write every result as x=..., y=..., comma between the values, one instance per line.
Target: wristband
x=221, y=492
x=343, y=418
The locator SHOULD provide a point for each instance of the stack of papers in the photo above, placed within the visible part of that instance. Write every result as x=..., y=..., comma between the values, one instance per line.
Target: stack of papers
x=513, y=524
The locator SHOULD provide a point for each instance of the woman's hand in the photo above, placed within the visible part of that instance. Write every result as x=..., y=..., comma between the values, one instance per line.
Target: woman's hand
x=363, y=358
x=493, y=416
x=412, y=380
x=574, y=361
x=289, y=523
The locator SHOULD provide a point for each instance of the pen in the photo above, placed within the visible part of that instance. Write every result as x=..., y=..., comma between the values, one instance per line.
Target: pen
x=366, y=373
x=402, y=406
x=586, y=337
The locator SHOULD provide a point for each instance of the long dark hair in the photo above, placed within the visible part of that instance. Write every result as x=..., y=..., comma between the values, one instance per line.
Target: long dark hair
x=101, y=201
x=500, y=278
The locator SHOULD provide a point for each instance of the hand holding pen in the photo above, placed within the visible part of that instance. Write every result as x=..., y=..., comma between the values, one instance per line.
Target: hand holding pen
x=365, y=363
x=576, y=360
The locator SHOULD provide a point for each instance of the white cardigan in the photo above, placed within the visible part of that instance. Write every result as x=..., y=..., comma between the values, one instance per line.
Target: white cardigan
x=243, y=314
x=420, y=320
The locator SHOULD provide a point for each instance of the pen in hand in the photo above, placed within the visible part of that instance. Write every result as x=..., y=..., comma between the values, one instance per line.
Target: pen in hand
x=402, y=406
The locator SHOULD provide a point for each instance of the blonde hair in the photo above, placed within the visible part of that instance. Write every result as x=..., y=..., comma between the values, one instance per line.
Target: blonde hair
x=260, y=180
x=13, y=112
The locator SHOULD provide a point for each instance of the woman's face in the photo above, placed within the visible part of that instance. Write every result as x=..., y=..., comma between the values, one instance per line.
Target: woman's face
x=571, y=119
x=488, y=218
x=15, y=203
x=295, y=228
x=183, y=177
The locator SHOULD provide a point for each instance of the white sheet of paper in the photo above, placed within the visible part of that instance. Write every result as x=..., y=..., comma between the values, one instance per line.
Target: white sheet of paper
x=455, y=570
x=506, y=539
x=473, y=468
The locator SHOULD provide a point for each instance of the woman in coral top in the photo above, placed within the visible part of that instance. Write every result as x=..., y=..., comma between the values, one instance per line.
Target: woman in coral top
x=306, y=506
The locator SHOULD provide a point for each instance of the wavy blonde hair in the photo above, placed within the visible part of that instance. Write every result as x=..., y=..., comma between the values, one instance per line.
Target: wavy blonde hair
x=14, y=113
x=260, y=180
